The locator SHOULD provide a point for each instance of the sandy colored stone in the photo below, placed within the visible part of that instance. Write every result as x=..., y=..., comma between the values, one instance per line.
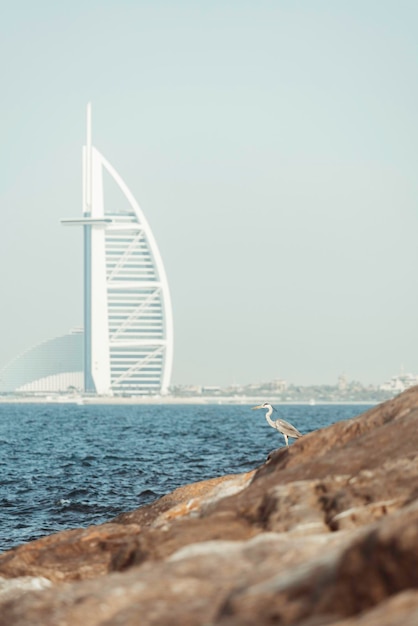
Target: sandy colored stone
x=12, y=588
x=399, y=609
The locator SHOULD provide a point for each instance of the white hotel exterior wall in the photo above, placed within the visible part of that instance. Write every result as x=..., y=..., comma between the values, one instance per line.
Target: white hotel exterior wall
x=131, y=316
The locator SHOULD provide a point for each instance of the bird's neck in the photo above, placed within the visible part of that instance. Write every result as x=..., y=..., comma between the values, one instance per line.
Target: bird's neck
x=268, y=418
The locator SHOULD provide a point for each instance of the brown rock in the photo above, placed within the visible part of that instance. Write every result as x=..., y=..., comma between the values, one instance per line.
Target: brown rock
x=401, y=609
x=378, y=562
x=69, y=555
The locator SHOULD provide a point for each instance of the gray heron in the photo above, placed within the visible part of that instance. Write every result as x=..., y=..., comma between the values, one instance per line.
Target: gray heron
x=282, y=426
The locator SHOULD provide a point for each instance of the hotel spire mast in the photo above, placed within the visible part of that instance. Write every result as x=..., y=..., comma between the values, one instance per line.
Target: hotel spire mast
x=89, y=386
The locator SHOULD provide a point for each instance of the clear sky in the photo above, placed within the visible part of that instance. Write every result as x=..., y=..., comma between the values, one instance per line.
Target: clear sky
x=273, y=147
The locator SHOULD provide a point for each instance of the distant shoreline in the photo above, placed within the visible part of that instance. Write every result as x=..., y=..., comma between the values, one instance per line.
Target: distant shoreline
x=175, y=400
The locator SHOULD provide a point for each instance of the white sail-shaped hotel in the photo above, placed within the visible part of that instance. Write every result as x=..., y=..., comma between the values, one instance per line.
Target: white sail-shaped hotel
x=128, y=324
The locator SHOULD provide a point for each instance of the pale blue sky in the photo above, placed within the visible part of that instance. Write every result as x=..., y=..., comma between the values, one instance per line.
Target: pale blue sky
x=272, y=145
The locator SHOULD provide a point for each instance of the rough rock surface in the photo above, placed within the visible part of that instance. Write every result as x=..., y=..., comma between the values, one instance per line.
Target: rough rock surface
x=325, y=532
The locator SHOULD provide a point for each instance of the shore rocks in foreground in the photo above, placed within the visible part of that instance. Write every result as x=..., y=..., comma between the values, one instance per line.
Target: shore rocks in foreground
x=325, y=532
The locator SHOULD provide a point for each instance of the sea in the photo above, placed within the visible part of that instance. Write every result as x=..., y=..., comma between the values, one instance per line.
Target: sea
x=69, y=466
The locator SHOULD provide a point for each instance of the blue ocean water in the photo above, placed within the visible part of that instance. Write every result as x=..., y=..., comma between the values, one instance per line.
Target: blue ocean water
x=68, y=466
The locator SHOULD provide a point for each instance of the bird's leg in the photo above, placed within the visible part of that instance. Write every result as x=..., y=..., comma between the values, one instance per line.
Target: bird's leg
x=286, y=439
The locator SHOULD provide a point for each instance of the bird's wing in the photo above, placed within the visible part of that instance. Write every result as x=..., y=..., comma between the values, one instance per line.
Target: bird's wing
x=288, y=429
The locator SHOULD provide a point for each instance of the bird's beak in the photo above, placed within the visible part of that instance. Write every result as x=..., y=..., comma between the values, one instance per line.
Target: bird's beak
x=260, y=406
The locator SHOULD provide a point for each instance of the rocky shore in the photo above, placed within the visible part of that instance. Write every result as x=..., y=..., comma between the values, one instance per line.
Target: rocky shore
x=325, y=532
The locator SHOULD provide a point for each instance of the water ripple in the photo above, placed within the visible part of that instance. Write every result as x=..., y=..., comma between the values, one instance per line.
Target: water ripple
x=67, y=466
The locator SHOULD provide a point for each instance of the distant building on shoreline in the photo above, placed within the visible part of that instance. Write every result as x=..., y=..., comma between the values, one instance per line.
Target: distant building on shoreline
x=127, y=343
x=53, y=365
x=279, y=390
x=400, y=383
